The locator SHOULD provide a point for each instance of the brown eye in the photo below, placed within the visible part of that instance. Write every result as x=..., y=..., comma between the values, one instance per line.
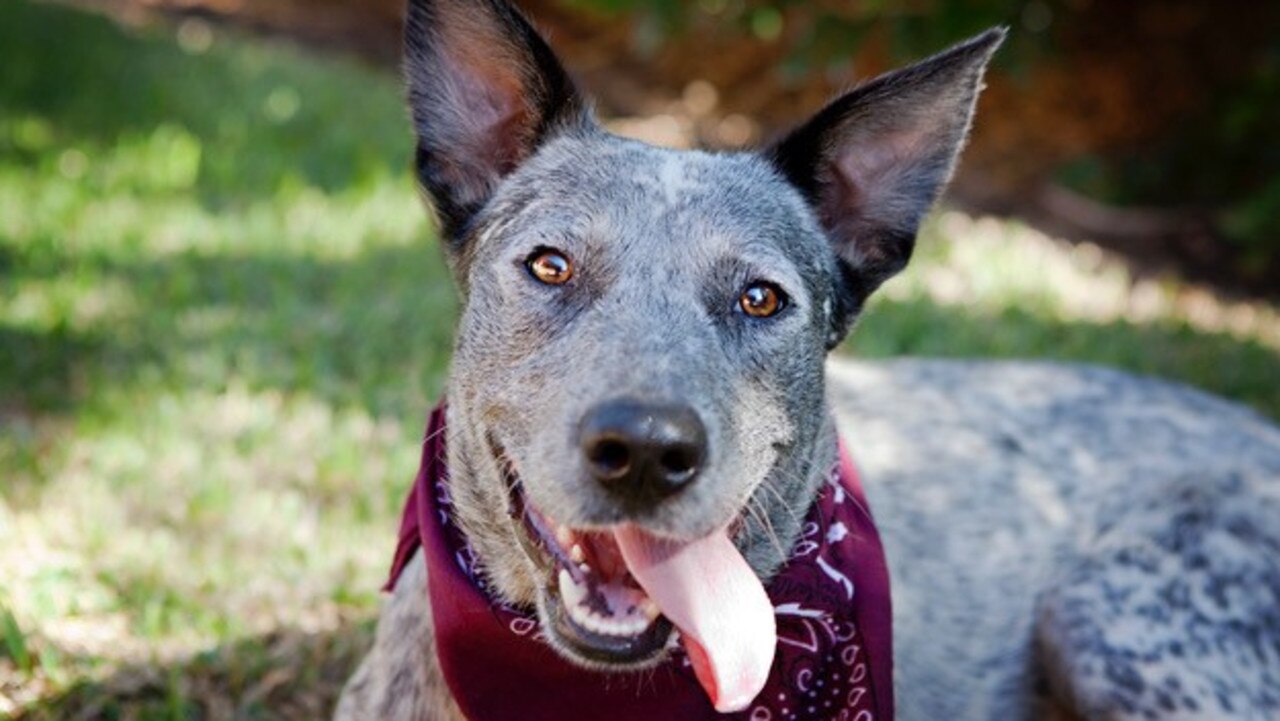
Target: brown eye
x=761, y=300
x=549, y=266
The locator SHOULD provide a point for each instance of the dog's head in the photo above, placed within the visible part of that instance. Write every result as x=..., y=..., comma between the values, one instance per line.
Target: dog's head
x=639, y=366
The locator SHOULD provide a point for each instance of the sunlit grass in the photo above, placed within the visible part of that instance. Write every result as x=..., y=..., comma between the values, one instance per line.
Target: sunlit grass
x=222, y=320
x=996, y=288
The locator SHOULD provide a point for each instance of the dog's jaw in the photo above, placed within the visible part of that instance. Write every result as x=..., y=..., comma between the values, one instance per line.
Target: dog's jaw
x=519, y=567
x=516, y=561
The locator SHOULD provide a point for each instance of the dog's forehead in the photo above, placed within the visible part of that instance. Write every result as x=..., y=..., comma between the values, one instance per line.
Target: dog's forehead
x=634, y=186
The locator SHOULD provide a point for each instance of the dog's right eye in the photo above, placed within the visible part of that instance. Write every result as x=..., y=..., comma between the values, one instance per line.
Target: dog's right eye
x=762, y=300
x=549, y=266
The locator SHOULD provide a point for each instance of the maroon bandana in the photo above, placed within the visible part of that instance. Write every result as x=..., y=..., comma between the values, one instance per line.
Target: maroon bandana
x=834, y=659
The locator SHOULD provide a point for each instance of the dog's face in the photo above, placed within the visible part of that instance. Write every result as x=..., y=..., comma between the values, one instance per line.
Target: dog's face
x=644, y=329
x=661, y=255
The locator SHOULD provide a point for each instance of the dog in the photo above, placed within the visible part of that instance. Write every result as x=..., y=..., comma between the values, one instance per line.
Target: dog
x=643, y=345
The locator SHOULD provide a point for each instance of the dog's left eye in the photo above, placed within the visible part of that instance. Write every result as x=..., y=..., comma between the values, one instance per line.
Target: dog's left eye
x=549, y=266
x=762, y=299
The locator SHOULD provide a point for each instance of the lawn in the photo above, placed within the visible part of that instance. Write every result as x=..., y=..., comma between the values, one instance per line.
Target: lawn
x=223, y=318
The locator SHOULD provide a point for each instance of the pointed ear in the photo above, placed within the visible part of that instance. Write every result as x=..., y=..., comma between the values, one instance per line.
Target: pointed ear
x=484, y=92
x=872, y=163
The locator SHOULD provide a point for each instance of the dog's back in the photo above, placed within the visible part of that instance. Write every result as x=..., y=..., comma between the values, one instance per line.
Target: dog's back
x=1055, y=530
x=1065, y=542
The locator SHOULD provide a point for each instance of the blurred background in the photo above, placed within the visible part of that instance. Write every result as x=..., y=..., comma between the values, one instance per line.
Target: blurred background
x=223, y=316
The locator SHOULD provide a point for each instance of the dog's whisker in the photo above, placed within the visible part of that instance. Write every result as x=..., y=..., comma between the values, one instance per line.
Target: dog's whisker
x=766, y=526
x=767, y=486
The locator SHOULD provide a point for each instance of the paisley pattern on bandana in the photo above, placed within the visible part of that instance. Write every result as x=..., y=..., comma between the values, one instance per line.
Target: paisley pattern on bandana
x=831, y=601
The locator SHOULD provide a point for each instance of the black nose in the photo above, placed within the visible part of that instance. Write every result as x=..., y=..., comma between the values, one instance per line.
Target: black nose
x=643, y=452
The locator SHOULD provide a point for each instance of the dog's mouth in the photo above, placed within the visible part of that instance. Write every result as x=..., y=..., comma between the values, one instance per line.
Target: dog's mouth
x=595, y=605
x=614, y=595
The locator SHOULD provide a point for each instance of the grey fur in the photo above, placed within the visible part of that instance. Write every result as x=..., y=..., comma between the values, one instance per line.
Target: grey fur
x=399, y=679
x=1058, y=536
x=1006, y=494
x=1070, y=536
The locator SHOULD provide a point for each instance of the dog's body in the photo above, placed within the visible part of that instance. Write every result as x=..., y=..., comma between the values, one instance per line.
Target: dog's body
x=1061, y=539
x=1104, y=542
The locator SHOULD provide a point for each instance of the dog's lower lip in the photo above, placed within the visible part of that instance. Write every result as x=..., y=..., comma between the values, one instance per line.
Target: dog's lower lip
x=609, y=649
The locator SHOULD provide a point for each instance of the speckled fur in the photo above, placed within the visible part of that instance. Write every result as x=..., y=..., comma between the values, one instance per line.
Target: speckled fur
x=1062, y=539
x=399, y=679
x=1070, y=533
x=1060, y=531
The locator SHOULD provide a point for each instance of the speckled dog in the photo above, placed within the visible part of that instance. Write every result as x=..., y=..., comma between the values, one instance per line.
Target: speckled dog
x=1065, y=542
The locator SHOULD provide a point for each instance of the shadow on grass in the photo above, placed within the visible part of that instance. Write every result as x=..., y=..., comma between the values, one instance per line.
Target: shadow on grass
x=284, y=675
x=372, y=331
x=375, y=331
x=248, y=118
x=369, y=335
x=43, y=370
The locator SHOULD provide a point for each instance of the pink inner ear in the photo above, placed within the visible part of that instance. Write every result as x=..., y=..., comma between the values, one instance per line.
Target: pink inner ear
x=867, y=162
x=489, y=93
x=491, y=123
x=862, y=193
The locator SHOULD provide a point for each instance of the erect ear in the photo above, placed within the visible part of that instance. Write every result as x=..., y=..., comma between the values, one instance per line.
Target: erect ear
x=872, y=163
x=484, y=92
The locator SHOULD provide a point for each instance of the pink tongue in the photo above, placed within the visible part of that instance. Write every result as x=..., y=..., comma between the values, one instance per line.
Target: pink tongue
x=706, y=588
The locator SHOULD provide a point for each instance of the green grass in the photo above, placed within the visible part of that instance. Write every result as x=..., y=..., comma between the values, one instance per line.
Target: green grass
x=996, y=288
x=222, y=320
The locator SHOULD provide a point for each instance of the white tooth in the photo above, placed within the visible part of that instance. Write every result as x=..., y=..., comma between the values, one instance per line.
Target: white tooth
x=673, y=641
x=564, y=535
x=630, y=611
x=571, y=594
x=576, y=554
x=579, y=614
x=567, y=585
